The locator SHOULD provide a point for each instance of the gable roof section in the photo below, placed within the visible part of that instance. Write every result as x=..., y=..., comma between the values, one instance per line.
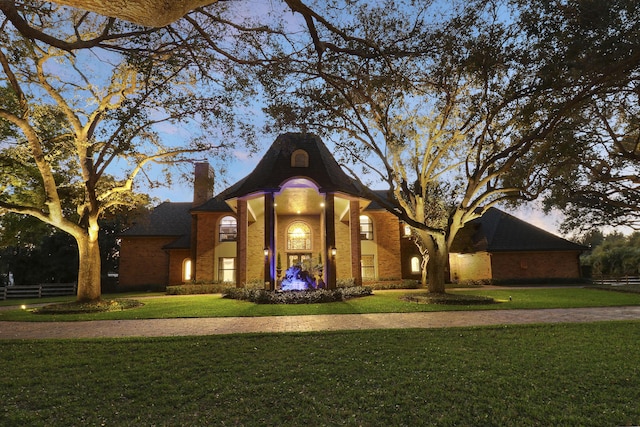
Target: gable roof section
x=375, y=205
x=168, y=219
x=215, y=204
x=275, y=168
x=498, y=231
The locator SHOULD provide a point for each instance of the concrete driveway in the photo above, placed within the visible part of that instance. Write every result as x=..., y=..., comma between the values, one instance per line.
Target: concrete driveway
x=271, y=324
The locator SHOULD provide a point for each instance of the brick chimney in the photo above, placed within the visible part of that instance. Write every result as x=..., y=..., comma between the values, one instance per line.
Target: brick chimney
x=202, y=183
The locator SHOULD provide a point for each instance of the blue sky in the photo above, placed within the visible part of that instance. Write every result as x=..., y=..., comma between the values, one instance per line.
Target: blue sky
x=243, y=163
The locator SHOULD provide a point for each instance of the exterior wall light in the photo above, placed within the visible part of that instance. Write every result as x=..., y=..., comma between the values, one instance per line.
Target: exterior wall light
x=334, y=251
x=266, y=252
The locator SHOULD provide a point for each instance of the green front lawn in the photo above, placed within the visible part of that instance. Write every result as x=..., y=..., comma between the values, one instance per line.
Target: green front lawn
x=536, y=375
x=380, y=302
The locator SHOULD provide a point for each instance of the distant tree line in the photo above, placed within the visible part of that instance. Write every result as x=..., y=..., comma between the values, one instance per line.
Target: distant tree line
x=32, y=252
x=615, y=254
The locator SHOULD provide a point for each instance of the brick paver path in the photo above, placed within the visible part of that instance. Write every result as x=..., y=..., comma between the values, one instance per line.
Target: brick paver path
x=235, y=325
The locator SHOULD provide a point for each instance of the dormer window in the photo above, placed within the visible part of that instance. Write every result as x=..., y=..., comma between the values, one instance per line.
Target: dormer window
x=300, y=159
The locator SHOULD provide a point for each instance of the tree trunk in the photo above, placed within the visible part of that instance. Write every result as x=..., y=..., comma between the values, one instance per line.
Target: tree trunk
x=89, y=269
x=435, y=254
x=150, y=13
x=437, y=265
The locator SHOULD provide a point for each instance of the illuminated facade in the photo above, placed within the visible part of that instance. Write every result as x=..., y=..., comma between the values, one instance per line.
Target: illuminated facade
x=297, y=207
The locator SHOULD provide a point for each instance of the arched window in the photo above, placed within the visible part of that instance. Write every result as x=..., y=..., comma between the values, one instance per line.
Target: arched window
x=366, y=228
x=186, y=270
x=300, y=159
x=299, y=236
x=228, y=229
x=415, y=264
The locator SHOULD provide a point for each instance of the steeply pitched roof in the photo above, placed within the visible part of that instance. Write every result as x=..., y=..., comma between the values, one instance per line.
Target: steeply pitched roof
x=375, y=205
x=215, y=204
x=497, y=231
x=166, y=219
x=275, y=168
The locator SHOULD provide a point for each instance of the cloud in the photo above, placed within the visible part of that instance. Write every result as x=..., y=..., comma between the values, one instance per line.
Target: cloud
x=533, y=214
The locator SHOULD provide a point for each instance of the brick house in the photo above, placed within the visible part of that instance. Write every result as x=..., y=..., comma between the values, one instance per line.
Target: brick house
x=298, y=206
x=500, y=247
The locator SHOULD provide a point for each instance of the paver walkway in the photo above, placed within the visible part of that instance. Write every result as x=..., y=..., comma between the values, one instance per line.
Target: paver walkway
x=235, y=325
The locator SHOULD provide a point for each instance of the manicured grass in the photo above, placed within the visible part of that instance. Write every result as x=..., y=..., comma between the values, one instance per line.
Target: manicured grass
x=565, y=374
x=380, y=302
x=20, y=301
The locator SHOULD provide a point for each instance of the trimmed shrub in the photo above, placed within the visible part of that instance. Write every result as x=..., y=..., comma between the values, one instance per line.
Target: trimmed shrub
x=448, y=299
x=261, y=296
x=393, y=284
x=100, y=306
x=345, y=283
x=471, y=283
x=197, y=288
x=254, y=284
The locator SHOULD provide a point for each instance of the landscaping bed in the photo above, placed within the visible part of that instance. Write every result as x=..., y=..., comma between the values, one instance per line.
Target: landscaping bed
x=261, y=296
x=448, y=299
x=101, y=306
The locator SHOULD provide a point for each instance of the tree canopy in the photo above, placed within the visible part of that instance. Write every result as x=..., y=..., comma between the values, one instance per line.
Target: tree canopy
x=453, y=106
x=455, y=109
x=616, y=255
x=78, y=127
x=595, y=44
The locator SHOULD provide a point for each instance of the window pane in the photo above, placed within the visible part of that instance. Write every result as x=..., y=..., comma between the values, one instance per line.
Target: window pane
x=227, y=270
x=228, y=229
x=366, y=228
x=367, y=267
x=186, y=270
x=299, y=236
x=300, y=159
x=415, y=264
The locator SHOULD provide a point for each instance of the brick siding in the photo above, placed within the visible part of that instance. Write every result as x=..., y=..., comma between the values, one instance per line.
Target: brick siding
x=533, y=265
x=387, y=237
x=143, y=262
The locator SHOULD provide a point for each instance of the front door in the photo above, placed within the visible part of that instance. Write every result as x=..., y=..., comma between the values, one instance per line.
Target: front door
x=299, y=258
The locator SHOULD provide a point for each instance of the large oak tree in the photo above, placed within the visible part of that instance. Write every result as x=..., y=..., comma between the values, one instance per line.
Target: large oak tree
x=455, y=110
x=80, y=126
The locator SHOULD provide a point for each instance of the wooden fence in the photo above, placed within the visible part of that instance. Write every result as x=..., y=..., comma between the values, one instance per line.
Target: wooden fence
x=616, y=280
x=38, y=291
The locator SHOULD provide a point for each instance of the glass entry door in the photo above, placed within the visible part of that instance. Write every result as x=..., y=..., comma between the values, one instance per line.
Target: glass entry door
x=294, y=259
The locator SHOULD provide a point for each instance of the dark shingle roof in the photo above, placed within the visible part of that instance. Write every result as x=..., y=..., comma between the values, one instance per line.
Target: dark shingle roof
x=375, y=205
x=497, y=231
x=215, y=204
x=165, y=220
x=275, y=168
